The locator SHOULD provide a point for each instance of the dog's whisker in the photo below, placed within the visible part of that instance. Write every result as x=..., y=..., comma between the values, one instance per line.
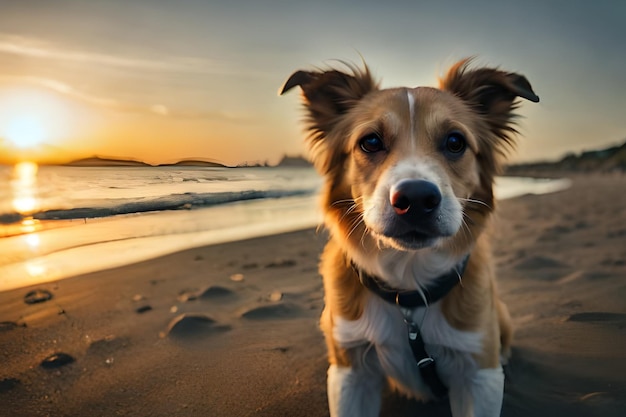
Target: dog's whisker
x=474, y=201
x=355, y=224
x=353, y=205
x=347, y=201
x=460, y=277
x=340, y=202
x=353, y=228
x=469, y=219
x=466, y=227
x=364, y=235
x=347, y=213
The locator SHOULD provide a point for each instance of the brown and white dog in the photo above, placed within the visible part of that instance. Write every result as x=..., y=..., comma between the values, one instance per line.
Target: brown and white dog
x=408, y=275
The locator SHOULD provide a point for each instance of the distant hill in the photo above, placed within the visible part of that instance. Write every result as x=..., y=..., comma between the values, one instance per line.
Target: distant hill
x=611, y=159
x=195, y=163
x=96, y=161
x=293, y=161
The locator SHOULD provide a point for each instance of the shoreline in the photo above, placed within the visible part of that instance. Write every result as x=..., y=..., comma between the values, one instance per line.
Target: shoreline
x=46, y=252
x=231, y=329
x=107, y=243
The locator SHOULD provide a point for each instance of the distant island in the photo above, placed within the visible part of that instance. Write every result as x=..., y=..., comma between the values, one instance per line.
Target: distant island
x=612, y=159
x=194, y=163
x=97, y=161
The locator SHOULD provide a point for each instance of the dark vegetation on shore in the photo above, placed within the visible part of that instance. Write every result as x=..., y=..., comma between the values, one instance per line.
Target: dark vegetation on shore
x=612, y=159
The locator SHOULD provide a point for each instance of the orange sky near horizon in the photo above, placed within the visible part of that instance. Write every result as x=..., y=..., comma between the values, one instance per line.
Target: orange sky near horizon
x=72, y=129
x=156, y=81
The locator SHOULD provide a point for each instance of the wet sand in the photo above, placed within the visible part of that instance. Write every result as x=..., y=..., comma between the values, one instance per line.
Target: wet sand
x=231, y=329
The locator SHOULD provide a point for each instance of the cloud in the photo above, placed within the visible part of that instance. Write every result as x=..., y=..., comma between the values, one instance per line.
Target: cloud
x=117, y=105
x=159, y=109
x=33, y=48
x=42, y=50
x=64, y=89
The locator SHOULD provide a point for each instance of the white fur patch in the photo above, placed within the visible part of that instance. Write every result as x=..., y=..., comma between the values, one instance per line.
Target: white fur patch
x=407, y=270
x=353, y=392
x=411, y=100
x=382, y=325
x=479, y=395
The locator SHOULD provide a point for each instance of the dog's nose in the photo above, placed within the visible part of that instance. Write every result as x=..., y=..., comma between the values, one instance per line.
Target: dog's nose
x=415, y=197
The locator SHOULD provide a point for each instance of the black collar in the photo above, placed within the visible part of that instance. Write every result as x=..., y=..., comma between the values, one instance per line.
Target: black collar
x=413, y=299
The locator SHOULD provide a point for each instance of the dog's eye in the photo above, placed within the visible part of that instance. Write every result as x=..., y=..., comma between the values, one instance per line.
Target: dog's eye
x=371, y=144
x=455, y=143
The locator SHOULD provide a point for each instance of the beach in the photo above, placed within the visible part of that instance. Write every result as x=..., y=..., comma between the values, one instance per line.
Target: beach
x=232, y=329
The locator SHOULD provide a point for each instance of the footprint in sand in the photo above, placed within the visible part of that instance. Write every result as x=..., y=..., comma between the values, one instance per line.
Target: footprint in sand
x=7, y=384
x=272, y=311
x=37, y=296
x=618, y=319
x=57, y=360
x=542, y=268
x=107, y=345
x=144, y=308
x=211, y=293
x=192, y=325
x=215, y=291
x=10, y=325
x=539, y=262
x=281, y=263
x=104, y=350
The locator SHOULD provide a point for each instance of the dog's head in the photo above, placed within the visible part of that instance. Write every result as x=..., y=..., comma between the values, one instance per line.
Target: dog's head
x=409, y=168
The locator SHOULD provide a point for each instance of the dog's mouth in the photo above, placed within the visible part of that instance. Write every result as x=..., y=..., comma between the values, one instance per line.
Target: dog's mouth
x=409, y=240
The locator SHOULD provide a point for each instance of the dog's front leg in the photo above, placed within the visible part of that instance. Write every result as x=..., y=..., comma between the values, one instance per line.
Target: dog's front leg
x=479, y=395
x=355, y=383
x=354, y=391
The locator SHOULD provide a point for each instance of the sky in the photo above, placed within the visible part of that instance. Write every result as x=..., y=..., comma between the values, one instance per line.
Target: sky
x=162, y=80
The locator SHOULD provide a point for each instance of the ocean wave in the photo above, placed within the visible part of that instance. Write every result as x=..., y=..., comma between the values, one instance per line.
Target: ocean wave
x=185, y=201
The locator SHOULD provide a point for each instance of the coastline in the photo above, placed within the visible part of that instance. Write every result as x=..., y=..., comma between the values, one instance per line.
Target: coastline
x=231, y=329
x=36, y=251
x=98, y=244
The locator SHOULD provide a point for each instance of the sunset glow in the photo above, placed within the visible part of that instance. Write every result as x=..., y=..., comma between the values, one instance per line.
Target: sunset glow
x=25, y=131
x=199, y=81
x=33, y=123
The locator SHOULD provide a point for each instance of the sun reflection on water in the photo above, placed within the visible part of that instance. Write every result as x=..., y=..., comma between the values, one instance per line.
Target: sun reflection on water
x=24, y=188
x=29, y=225
x=25, y=201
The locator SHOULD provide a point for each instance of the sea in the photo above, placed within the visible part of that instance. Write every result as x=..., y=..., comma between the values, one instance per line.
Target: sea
x=61, y=221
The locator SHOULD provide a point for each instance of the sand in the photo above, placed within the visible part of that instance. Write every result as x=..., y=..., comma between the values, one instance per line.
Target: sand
x=231, y=329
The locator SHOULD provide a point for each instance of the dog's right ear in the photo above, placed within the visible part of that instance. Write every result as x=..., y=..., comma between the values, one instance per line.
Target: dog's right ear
x=328, y=95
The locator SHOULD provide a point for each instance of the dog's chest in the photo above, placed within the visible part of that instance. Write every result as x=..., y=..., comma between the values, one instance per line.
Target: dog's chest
x=382, y=326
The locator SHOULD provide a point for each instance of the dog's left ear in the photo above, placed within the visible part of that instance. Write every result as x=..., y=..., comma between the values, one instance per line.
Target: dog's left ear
x=489, y=91
x=328, y=95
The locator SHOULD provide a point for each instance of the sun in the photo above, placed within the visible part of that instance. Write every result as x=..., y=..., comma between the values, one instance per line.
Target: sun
x=25, y=131
x=33, y=122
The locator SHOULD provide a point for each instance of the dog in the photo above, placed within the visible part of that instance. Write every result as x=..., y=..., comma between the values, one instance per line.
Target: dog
x=410, y=292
